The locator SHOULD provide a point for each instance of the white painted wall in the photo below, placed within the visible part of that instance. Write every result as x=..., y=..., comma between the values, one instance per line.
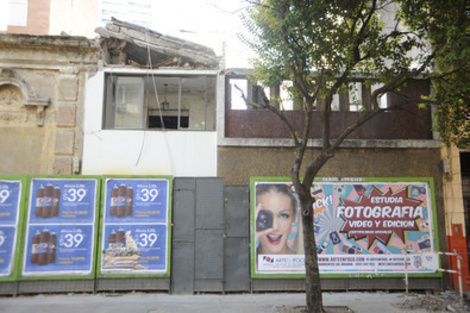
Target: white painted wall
x=135, y=152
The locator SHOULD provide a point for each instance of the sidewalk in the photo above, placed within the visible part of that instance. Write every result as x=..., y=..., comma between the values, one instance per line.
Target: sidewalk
x=164, y=303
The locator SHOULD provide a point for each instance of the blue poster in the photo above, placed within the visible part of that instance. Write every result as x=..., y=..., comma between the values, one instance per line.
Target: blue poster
x=135, y=228
x=10, y=193
x=55, y=200
x=136, y=200
x=9, y=202
x=134, y=247
x=60, y=227
x=59, y=249
x=7, y=247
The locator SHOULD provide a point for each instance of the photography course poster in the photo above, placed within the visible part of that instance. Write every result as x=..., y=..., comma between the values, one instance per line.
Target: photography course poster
x=361, y=226
x=135, y=226
x=10, y=203
x=60, y=227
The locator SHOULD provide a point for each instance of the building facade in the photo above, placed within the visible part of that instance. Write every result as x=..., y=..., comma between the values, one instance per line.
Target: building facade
x=42, y=89
x=172, y=106
x=141, y=103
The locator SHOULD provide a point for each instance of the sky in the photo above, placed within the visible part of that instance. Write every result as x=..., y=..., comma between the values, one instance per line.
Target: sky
x=208, y=22
x=211, y=23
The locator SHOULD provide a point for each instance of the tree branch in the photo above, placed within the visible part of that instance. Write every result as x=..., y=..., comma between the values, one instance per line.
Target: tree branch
x=402, y=78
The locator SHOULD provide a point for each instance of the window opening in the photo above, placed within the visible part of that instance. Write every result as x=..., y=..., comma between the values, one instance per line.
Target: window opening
x=170, y=102
x=278, y=95
x=237, y=86
x=287, y=103
x=355, y=97
x=382, y=101
x=129, y=99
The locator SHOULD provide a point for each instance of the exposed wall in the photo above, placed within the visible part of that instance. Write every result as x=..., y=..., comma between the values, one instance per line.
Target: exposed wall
x=38, y=18
x=41, y=92
x=238, y=164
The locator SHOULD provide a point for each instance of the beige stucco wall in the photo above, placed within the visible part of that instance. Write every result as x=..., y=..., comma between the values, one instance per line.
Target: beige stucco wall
x=42, y=81
x=452, y=185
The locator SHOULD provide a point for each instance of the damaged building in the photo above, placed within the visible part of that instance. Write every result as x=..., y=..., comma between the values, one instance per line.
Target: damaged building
x=42, y=85
x=139, y=103
x=129, y=44
x=151, y=81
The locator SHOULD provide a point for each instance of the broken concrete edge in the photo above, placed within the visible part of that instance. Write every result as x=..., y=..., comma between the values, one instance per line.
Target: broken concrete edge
x=171, y=47
x=42, y=41
x=169, y=38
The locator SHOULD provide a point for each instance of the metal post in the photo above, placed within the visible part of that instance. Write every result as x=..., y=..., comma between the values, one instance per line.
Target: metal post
x=460, y=279
x=406, y=272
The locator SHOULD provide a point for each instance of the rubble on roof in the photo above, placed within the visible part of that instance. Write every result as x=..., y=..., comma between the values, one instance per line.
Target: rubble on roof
x=129, y=44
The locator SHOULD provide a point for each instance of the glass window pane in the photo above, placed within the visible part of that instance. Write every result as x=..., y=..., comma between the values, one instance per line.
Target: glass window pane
x=164, y=102
x=129, y=102
x=170, y=102
x=198, y=101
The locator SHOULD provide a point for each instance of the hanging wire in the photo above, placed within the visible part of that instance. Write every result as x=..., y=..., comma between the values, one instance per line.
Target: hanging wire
x=149, y=63
x=154, y=84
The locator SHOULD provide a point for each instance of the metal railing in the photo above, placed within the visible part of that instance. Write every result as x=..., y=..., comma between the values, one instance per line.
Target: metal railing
x=435, y=266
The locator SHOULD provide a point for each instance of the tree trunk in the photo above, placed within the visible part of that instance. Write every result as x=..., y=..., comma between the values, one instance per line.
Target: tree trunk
x=312, y=273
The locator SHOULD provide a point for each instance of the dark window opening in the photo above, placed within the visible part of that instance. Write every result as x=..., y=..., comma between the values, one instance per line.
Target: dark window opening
x=170, y=122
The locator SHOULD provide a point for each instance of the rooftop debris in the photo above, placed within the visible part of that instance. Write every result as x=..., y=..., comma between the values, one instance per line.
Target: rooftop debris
x=129, y=44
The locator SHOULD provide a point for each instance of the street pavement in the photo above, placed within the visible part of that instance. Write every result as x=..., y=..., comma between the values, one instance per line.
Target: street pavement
x=166, y=303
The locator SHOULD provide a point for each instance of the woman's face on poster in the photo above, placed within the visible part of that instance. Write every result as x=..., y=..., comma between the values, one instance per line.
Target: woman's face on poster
x=274, y=239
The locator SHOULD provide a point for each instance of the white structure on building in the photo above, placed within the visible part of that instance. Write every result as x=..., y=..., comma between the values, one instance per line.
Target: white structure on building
x=151, y=110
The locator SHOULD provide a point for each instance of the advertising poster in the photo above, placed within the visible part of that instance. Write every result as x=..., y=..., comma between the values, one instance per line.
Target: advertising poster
x=361, y=226
x=10, y=200
x=135, y=226
x=60, y=228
